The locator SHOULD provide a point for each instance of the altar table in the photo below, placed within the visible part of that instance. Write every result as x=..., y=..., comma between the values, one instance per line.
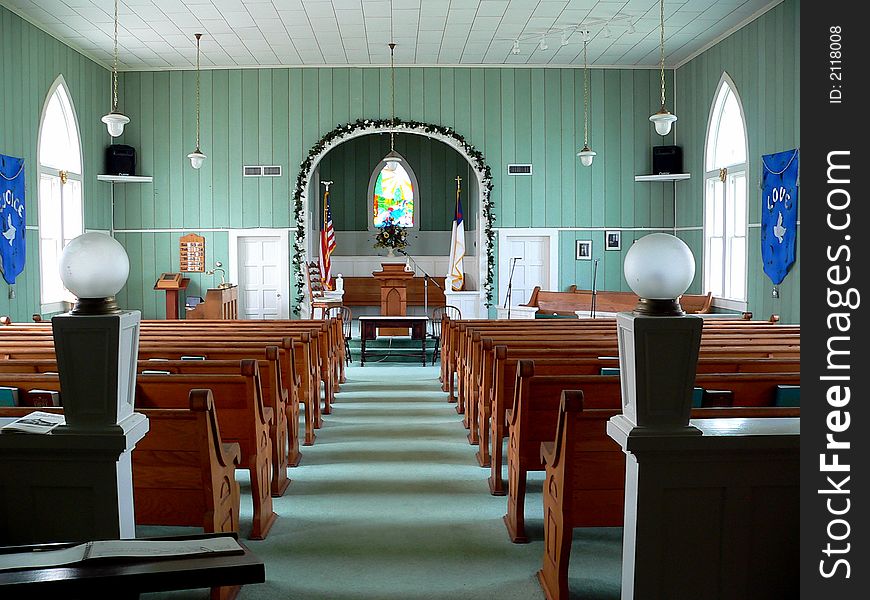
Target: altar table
x=369, y=331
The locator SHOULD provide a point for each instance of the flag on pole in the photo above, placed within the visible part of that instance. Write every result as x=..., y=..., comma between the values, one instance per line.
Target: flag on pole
x=327, y=241
x=455, y=275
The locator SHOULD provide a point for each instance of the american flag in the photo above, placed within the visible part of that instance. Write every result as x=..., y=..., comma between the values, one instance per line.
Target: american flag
x=327, y=243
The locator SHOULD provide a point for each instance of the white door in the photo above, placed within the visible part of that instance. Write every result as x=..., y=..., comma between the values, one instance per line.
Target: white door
x=261, y=293
x=531, y=269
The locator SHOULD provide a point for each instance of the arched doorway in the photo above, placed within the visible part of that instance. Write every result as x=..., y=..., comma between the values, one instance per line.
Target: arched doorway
x=304, y=191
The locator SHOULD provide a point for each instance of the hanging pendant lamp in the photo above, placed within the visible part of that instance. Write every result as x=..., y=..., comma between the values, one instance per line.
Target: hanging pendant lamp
x=197, y=157
x=587, y=155
x=115, y=120
x=393, y=156
x=663, y=119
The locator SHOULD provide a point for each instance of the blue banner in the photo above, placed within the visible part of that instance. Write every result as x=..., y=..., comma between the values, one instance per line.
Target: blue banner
x=779, y=197
x=12, y=217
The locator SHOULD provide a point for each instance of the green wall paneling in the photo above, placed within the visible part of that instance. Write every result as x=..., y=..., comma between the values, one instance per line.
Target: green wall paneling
x=32, y=60
x=436, y=165
x=762, y=60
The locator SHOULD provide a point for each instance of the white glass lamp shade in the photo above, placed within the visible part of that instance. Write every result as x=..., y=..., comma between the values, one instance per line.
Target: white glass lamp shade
x=115, y=122
x=94, y=265
x=659, y=266
x=663, y=121
x=196, y=158
x=586, y=156
x=393, y=157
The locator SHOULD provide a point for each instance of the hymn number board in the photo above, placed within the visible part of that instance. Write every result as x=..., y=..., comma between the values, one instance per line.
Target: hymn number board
x=192, y=253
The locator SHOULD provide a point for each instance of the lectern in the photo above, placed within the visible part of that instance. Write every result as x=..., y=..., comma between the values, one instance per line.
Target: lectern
x=171, y=283
x=219, y=303
x=394, y=281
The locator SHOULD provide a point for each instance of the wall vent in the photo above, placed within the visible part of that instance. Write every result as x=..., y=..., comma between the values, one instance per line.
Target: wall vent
x=261, y=171
x=520, y=169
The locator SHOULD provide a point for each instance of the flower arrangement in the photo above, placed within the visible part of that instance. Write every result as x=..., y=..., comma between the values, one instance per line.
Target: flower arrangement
x=391, y=235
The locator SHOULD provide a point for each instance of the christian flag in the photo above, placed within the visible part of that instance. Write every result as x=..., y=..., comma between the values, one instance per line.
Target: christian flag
x=455, y=275
x=327, y=243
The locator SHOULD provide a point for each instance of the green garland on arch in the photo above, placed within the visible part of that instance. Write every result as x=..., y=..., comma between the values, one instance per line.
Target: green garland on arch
x=346, y=130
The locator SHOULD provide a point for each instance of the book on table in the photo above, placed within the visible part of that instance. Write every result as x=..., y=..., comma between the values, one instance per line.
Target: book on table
x=118, y=550
x=35, y=422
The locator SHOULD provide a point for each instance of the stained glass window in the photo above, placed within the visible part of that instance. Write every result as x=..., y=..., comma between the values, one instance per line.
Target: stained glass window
x=394, y=196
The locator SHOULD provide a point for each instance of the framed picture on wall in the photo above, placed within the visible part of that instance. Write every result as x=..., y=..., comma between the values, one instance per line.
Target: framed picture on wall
x=612, y=240
x=584, y=250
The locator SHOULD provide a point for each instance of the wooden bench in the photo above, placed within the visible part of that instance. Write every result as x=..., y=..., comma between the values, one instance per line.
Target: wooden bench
x=284, y=428
x=584, y=484
x=534, y=416
x=182, y=473
x=567, y=303
x=242, y=416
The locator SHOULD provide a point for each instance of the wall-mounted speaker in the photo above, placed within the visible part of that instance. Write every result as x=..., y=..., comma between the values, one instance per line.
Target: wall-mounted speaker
x=667, y=160
x=120, y=160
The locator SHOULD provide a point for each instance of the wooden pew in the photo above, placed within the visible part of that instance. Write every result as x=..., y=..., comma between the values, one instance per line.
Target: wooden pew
x=325, y=337
x=566, y=303
x=283, y=433
x=534, y=415
x=182, y=473
x=584, y=484
x=243, y=418
x=303, y=350
x=497, y=387
x=241, y=414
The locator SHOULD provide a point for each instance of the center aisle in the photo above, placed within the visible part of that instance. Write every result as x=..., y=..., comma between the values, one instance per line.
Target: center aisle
x=390, y=504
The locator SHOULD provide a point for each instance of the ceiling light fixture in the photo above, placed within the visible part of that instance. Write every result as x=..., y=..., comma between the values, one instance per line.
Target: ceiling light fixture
x=587, y=155
x=393, y=156
x=516, y=48
x=663, y=119
x=564, y=39
x=115, y=120
x=543, y=45
x=197, y=157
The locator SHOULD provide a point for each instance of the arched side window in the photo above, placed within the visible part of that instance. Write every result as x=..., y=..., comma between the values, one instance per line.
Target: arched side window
x=393, y=193
x=61, y=217
x=725, y=198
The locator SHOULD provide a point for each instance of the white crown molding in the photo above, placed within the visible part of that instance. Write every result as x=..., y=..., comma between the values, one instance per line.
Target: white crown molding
x=403, y=66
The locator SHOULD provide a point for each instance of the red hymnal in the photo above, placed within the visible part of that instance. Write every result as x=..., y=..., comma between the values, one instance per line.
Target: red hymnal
x=42, y=398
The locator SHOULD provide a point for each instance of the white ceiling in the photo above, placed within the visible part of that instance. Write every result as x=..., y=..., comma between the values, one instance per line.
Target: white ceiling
x=158, y=34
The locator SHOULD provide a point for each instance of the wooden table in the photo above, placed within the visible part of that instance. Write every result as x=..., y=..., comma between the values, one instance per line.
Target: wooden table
x=369, y=331
x=127, y=578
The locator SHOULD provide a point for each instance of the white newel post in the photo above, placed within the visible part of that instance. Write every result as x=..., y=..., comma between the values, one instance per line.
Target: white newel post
x=699, y=495
x=76, y=483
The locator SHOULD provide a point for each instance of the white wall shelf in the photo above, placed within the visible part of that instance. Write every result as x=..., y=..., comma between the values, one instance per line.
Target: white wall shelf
x=669, y=177
x=126, y=178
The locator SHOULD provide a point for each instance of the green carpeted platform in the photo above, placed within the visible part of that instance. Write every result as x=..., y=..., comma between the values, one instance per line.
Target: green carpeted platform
x=389, y=504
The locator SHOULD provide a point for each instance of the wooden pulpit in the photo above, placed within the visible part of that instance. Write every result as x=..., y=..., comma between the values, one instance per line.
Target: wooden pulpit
x=219, y=303
x=394, y=281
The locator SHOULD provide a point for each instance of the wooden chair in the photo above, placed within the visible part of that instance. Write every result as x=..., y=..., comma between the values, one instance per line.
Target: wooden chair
x=317, y=293
x=437, y=313
x=346, y=326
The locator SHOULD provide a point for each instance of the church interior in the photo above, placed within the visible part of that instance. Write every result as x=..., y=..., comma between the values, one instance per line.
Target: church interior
x=498, y=283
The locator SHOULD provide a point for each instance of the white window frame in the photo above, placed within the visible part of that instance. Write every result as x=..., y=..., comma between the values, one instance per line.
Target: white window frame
x=52, y=305
x=371, y=197
x=733, y=170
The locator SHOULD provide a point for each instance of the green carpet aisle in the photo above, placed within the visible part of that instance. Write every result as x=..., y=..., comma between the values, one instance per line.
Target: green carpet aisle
x=390, y=505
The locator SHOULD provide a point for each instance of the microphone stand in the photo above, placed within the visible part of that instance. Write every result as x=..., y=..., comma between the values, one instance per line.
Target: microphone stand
x=507, y=300
x=594, y=292
x=426, y=278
